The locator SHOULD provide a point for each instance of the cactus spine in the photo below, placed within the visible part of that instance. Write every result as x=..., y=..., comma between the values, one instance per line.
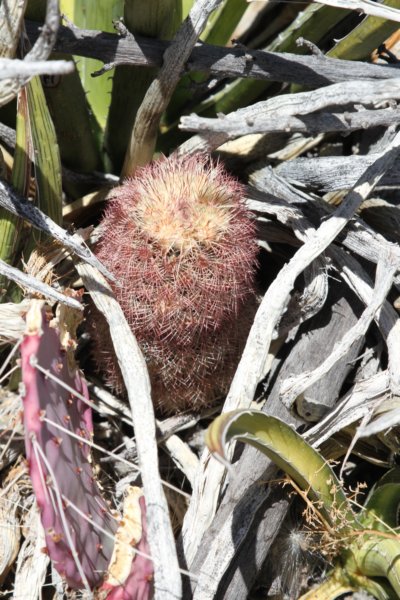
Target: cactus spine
x=182, y=246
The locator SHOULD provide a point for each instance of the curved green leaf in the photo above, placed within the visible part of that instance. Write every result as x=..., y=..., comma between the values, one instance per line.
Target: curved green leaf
x=340, y=582
x=331, y=588
x=290, y=452
x=383, y=501
x=380, y=559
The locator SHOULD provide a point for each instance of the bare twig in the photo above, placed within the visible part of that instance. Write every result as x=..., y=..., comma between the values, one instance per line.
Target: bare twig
x=251, y=368
x=134, y=371
x=144, y=135
x=17, y=205
x=35, y=285
x=225, y=62
x=326, y=122
x=11, y=85
x=259, y=117
x=21, y=68
x=47, y=38
x=183, y=457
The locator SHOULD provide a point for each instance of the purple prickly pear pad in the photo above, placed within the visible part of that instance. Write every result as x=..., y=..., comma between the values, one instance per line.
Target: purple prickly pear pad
x=78, y=523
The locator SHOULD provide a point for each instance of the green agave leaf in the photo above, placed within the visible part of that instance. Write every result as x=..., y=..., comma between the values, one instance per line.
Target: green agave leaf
x=78, y=132
x=46, y=153
x=291, y=453
x=94, y=14
x=10, y=225
x=11, y=18
x=340, y=582
x=380, y=559
x=384, y=500
x=219, y=30
x=78, y=136
x=186, y=6
x=364, y=38
x=313, y=23
x=334, y=586
x=223, y=21
x=35, y=138
x=154, y=18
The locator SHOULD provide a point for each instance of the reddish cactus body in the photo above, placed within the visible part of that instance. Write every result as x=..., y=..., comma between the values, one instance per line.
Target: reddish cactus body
x=182, y=247
x=59, y=466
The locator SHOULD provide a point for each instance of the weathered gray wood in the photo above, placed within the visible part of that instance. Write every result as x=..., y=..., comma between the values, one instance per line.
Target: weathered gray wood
x=352, y=408
x=356, y=236
x=383, y=216
x=242, y=534
x=297, y=385
x=232, y=535
x=257, y=538
x=35, y=285
x=382, y=424
x=281, y=113
x=386, y=318
x=7, y=135
x=324, y=122
x=232, y=550
x=252, y=366
x=317, y=340
x=332, y=173
x=313, y=71
x=279, y=199
x=342, y=94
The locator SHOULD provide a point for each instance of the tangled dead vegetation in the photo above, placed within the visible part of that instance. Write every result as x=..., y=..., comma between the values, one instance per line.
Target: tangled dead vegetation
x=310, y=335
